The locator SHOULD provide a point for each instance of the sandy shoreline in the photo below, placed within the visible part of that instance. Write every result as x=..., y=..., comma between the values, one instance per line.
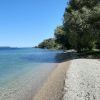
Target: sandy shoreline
x=53, y=87
x=26, y=85
x=83, y=80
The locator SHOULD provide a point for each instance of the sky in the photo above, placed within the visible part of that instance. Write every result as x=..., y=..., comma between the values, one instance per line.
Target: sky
x=26, y=23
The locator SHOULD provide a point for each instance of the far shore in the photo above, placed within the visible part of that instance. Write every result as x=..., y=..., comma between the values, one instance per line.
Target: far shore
x=54, y=86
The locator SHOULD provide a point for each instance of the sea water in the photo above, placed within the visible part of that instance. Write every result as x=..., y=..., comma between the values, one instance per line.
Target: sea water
x=23, y=71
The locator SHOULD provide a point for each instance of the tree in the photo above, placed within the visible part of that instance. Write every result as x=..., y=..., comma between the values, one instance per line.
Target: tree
x=49, y=44
x=62, y=38
x=80, y=27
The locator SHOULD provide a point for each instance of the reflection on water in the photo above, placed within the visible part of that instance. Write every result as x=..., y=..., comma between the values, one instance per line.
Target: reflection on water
x=23, y=69
x=14, y=61
x=50, y=57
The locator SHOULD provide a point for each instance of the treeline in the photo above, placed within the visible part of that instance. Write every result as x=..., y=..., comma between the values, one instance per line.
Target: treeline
x=81, y=26
x=50, y=44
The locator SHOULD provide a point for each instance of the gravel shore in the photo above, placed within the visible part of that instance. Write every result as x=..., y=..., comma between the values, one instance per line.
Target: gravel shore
x=53, y=88
x=83, y=80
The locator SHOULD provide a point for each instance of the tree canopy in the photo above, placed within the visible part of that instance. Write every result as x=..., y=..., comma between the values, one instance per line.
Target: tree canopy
x=80, y=29
x=49, y=44
x=81, y=25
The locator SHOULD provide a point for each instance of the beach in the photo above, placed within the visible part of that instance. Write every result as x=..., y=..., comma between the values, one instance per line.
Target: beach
x=83, y=80
x=54, y=86
x=48, y=75
x=77, y=79
x=47, y=84
x=23, y=71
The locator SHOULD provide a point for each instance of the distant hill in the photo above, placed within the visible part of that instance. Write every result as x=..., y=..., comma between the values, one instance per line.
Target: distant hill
x=49, y=44
x=4, y=47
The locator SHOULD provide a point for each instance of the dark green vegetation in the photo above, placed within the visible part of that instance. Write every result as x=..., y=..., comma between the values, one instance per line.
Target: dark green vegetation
x=81, y=27
x=49, y=44
x=90, y=54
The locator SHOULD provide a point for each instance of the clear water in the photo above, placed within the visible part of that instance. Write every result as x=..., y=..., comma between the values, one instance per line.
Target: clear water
x=22, y=70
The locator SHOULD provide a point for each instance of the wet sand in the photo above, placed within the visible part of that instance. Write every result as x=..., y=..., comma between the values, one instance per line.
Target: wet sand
x=54, y=86
x=26, y=85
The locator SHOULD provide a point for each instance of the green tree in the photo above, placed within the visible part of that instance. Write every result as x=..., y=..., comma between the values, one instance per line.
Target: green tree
x=80, y=29
x=49, y=44
x=62, y=38
x=81, y=25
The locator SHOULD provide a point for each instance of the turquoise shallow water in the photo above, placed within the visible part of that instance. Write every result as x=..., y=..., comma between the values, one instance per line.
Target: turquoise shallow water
x=22, y=70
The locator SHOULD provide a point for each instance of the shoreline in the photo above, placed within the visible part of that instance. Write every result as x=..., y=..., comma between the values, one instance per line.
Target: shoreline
x=82, y=80
x=53, y=88
x=26, y=85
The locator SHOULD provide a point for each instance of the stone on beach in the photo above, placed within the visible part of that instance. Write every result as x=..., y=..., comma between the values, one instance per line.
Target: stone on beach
x=83, y=80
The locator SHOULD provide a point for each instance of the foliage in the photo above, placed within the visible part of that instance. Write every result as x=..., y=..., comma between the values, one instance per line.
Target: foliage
x=49, y=44
x=81, y=25
x=61, y=37
x=90, y=54
x=80, y=29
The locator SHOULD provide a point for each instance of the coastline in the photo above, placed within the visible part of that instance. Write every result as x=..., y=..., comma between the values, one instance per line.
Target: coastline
x=54, y=86
x=25, y=86
x=82, y=80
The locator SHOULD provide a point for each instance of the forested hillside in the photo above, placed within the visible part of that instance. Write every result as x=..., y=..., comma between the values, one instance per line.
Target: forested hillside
x=50, y=44
x=80, y=29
